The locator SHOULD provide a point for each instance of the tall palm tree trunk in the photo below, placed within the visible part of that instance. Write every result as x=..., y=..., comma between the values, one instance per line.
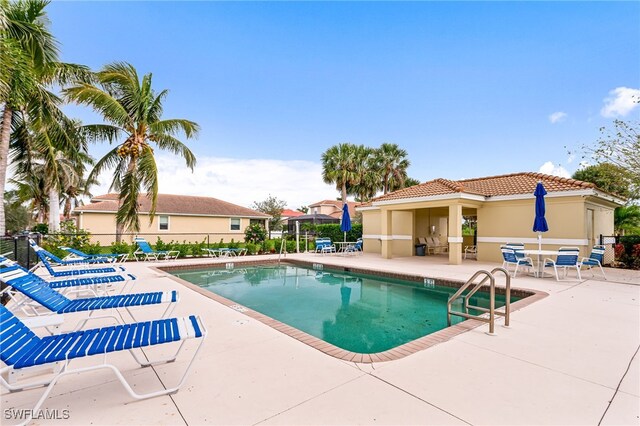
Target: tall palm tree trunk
x=67, y=209
x=5, y=136
x=54, y=210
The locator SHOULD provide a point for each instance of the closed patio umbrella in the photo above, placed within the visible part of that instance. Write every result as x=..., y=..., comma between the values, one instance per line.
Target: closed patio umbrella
x=345, y=223
x=540, y=223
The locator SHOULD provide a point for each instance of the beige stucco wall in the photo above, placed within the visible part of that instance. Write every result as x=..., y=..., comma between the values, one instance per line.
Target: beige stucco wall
x=371, y=230
x=181, y=228
x=512, y=221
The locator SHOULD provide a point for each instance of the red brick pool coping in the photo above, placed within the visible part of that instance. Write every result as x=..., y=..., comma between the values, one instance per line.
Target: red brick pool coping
x=406, y=349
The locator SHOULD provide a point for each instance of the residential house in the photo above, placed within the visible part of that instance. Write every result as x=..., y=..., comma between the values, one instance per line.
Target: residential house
x=178, y=217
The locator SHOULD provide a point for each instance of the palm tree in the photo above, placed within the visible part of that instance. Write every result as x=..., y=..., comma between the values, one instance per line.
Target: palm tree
x=627, y=219
x=339, y=167
x=394, y=164
x=31, y=190
x=133, y=112
x=32, y=52
x=50, y=149
x=368, y=174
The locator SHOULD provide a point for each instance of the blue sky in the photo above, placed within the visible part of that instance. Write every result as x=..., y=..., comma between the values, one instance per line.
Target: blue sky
x=468, y=89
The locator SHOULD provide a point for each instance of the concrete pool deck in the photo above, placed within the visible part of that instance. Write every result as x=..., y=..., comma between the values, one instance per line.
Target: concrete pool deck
x=570, y=358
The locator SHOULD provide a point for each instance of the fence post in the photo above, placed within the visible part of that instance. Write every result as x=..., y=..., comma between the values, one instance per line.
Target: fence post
x=15, y=248
x=26, y=240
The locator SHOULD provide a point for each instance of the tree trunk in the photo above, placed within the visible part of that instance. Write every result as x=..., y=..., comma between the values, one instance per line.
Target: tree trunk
x=5, y=135
x=67, y=208
x=344, y=193
x=54, y=211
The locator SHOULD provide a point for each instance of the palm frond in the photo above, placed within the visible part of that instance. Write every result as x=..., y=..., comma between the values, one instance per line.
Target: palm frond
x=173, y=145
x=100, y=101
x=175, y=126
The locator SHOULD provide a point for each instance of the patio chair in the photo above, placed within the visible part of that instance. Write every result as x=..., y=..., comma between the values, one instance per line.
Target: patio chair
x=596, y=258
x=470, y=250
x=241, y=251
x=22, y=350
x=509, y=258
x=518, y=248
x=324, y=245
x=75, y=267
x=433, y=245
x=567, y=258
x=38, y=290
x=75, y=254
x=145, y=251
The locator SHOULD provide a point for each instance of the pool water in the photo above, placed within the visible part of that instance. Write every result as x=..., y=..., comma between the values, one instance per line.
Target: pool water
x=356, y=312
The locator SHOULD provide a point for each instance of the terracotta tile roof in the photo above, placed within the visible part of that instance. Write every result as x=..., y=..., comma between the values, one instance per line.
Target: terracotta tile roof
x=337, y=204
x=291, y=213
x=177, y=204
x=511, y=184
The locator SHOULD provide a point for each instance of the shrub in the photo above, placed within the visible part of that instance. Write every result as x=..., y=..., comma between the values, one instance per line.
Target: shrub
x=252, y=248
x=332, y=231
x=291, y=246
x=41, y=228
x=70, y=236
x=255, y=233
x=122, y=247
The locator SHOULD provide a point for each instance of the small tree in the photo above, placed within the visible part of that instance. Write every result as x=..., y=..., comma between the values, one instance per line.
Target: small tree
x=255, y=233
x=273, y=207
x=620, y=146
x=608, y=177
x=303, y=209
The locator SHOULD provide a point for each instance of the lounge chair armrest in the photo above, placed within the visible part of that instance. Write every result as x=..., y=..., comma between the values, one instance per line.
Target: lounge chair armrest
x=546, y=259
x=43, y=321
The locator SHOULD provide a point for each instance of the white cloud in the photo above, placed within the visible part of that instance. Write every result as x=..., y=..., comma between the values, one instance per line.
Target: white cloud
x=621, y=101
x=240, y=181
x=549, y=168
x=557, y=117
x=571, y=158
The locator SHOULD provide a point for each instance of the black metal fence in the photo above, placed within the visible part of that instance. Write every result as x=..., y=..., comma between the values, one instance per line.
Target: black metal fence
x=17, y=248
x=609, y=242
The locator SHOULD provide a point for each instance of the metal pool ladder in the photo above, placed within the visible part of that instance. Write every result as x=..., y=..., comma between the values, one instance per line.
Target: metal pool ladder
x=283, y=246
x=490, y=276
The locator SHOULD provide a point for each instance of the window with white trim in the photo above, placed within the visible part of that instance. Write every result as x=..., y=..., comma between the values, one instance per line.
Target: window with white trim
x=163, y=223
x=234, y=224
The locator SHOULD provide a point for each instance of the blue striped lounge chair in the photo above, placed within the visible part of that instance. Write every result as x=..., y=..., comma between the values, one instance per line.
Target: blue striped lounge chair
x=96, y=284
x=145, y=252
x=596, y=258
x=77, y=267
x=22, y=350
x=566, y=259
x=38, y=290
x=75, y=254
x=510, y=258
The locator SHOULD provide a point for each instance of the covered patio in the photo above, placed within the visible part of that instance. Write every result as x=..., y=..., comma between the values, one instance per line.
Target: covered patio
x=503, y=208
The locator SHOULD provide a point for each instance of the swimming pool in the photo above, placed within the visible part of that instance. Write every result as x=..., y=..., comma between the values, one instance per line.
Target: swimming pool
x=357, y=312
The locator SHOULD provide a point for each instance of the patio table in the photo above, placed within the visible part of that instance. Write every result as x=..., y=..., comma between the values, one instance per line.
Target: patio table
x=343, y=246
x=540, y=253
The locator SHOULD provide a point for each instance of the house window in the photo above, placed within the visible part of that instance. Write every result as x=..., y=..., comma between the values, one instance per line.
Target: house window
x=235, y=223
x=163, y=223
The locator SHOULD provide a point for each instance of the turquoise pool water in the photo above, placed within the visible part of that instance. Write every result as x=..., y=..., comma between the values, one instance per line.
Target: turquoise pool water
x=359, y=313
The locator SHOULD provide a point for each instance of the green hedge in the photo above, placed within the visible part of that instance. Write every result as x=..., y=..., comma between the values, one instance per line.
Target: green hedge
x=332, y=231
